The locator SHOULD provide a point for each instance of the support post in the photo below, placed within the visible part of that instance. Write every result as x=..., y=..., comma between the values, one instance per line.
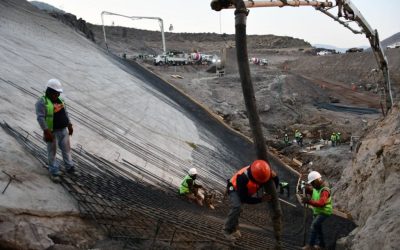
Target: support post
x=251, y=107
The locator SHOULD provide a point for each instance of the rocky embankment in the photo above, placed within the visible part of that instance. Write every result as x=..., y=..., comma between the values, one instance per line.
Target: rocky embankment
x=369, y=187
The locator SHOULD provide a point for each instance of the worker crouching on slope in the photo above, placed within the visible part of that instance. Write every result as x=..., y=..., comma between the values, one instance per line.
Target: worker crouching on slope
x=189, y=188
x=242, y=188
x=322, y=208
x=56, y=125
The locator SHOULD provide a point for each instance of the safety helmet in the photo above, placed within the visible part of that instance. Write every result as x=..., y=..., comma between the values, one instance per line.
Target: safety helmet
x=285, y=134
x=192, y=171
x=54, y=84
x=260, y=171
x=312, y=176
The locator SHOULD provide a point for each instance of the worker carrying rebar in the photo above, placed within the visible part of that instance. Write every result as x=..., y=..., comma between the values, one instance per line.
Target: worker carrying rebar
x=190, y=189
x=246, y=186
x=321, y=201
x=53, y=118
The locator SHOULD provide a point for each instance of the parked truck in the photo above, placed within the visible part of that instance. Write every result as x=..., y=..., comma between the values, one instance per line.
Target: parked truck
x=171, y=58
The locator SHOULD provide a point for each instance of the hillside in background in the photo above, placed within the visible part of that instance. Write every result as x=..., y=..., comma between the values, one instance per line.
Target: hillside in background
x=145, y=41
x=390, y=40
x=46, y=7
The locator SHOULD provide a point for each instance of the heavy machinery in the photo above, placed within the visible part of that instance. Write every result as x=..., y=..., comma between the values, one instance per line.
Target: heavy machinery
x=347, y=13
x=172, y=58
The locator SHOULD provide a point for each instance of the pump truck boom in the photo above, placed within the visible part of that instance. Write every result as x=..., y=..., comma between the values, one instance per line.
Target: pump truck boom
x=347, y=14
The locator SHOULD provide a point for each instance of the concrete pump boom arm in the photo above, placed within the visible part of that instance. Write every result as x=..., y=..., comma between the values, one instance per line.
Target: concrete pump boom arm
x=352, y=14
x=135, y=18
x=376, y=47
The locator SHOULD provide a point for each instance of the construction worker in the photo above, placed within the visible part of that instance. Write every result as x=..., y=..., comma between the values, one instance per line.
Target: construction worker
x=286, y=139
x=53, y=118
x=333, y=139
x=299, y=138
x=283, y=185
x=338, y=135
x=189, y=188
x=321, y=202
x=243, y=187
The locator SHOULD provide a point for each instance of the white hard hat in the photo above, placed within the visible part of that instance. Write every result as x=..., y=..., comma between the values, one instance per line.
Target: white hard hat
x=192, y=171
x=55, y=85
x=312, y=176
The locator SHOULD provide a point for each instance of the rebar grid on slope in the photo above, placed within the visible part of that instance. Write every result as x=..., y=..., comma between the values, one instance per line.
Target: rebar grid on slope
x=137, y=213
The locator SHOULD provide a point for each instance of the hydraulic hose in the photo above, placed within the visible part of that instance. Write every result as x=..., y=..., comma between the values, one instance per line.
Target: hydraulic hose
x=248, y=93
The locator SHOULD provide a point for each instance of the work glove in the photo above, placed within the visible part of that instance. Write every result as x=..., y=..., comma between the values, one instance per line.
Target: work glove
x=305, y=200
x=47, y=135
x=70, y=129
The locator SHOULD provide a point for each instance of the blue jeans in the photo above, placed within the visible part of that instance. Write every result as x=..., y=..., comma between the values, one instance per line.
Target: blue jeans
x=61, y=136
x=316, y=230
x=232, y=221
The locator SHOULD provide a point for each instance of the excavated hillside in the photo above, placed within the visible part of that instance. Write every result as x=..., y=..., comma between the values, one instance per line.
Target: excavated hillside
x=135, y=41
x=369, y=187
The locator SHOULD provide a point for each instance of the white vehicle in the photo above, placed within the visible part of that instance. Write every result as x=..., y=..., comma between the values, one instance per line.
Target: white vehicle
x=171, y=58
x=324, y=53
x=263, y=62
x=394, y=45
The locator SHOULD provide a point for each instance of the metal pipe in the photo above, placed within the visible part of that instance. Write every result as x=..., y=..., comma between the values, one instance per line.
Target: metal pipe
x=219, y=5
x=252, y=112
x=134, y=18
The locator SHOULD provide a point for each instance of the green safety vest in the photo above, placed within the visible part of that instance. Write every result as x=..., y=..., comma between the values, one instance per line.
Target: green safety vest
x=184, y=188
x=325, y=210
x=333, y=137
x=283, y=184
x=286, y=138
x=50, y=111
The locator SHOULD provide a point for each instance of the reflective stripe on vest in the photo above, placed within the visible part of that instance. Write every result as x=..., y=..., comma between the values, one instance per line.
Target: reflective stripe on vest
x=184, y=188
x=251, y=186
x=50, y=111
x=325, y=210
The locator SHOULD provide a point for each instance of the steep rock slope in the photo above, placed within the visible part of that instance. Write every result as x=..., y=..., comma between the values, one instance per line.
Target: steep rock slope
x=369, y=188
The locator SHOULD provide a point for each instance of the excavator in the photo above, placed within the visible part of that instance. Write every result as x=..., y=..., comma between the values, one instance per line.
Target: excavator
x=347, y=13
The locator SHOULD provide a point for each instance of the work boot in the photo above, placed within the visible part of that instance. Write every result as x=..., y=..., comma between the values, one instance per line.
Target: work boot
x=316, y=247
x=72, y=172
x=237, y=234
x=229, y=236
x=306, y=247
x=55, y=178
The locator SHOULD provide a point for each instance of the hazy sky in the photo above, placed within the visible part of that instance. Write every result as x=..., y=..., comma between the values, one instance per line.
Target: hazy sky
x=196, y=16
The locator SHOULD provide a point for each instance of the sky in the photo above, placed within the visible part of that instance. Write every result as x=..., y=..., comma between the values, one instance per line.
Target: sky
x=196, y=16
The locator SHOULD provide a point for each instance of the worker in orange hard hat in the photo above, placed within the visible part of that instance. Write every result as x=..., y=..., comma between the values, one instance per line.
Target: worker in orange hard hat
x=244, y=187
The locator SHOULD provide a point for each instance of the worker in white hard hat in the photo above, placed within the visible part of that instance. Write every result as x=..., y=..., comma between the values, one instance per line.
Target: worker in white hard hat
x=189, y=187
x=53, y=119
x=321, y=201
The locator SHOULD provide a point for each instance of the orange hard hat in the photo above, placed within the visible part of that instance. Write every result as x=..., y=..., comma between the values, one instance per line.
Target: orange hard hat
x=260, y=171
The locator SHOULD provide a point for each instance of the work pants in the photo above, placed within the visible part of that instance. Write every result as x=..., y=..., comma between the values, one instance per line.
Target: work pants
x=317, y=236
x=60, y=137
x=232, y=221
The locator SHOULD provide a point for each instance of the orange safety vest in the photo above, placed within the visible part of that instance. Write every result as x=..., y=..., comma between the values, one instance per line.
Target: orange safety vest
x=251, y=186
